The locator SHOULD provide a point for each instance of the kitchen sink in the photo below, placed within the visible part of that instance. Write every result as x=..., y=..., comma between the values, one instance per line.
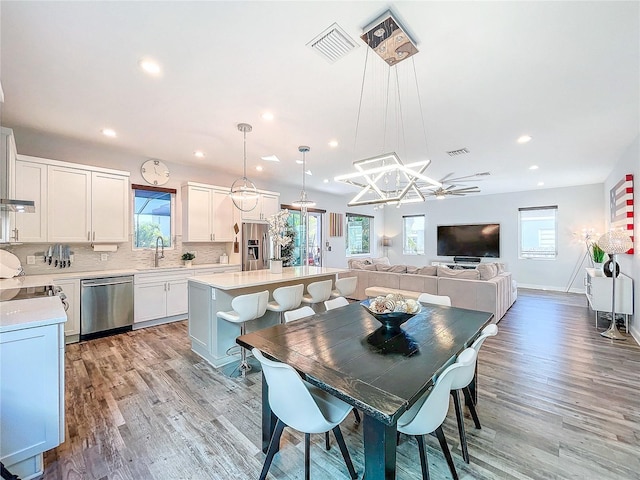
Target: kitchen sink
x=155, y=269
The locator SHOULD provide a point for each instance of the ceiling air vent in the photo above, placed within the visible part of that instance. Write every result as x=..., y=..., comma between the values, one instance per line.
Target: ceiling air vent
x=460, y=151
x=333, y=44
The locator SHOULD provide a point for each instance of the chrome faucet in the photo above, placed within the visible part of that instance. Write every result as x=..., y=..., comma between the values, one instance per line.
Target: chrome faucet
x=161, y=255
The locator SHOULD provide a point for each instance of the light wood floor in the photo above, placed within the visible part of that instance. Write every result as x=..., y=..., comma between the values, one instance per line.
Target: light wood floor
x=556, y=401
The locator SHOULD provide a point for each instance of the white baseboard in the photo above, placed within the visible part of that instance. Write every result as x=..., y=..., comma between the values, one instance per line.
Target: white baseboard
x=551, y=289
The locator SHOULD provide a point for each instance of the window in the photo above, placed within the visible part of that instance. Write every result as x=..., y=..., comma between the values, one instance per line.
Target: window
x=314, y=252
x=538, y=232
x=413, y=234
x=152, y=215
x=358, y=234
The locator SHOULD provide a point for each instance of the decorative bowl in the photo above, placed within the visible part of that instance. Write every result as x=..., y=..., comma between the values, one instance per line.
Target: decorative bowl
x=391, y=320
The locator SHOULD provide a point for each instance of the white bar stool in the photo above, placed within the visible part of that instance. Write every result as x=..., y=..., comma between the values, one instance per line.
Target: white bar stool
x=285, y=299
x=345, y=287
x=318, y=292
x=245, y=308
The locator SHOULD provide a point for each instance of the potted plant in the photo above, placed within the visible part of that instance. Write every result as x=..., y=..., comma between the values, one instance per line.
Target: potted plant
x=188, y=257
x=279, y=238
x=597, y=254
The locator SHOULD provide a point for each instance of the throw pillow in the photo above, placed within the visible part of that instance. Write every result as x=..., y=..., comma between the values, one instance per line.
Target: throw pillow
x=356, y=264
x=381, y=261
x=444, y=271
x=499, y=267
x=369, y=267
x=428, y=270
x=487, y=271
x=412, y=269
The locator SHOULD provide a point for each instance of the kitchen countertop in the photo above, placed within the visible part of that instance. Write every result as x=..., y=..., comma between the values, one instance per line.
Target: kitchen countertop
x=231, y=281
x=30, y=313
x=26, y=281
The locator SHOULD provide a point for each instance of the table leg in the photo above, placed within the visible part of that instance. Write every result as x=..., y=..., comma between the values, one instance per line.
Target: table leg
x=379, y=449
x=268, y=418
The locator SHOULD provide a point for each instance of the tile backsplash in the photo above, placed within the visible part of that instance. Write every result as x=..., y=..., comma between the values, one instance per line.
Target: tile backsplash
x=87, y=260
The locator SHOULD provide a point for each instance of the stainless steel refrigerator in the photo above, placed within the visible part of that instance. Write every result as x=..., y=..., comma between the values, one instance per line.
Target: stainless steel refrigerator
x=256, y=246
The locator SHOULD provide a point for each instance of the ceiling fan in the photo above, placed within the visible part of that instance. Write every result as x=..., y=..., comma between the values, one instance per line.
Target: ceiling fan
x=453, y=186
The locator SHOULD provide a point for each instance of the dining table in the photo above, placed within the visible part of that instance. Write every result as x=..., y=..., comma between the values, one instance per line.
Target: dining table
x=382, y=373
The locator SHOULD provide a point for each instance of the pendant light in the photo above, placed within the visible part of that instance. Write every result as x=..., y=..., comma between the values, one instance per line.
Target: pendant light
x=303, y=203
x=243, y=191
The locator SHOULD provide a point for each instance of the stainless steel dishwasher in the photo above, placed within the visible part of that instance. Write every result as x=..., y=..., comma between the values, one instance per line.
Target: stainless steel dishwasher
x=106, y=306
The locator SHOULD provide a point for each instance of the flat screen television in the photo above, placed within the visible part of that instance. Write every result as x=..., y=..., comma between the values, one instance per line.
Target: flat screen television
x=482, y=240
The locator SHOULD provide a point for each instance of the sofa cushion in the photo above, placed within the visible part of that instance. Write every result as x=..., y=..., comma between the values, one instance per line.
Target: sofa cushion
x=444, y=271
x=391, y=268
x=381, y=261
x=487, y=270
x=411, y=269
x=369, y=267
x=428, y=270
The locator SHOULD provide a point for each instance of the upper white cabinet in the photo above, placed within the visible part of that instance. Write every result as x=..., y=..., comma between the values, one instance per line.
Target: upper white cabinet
x=268, y=204
x=74, y=203
x=7, y=172
x=207, y=213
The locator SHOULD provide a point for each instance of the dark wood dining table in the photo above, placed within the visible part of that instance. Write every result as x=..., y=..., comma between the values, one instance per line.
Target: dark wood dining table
x=346, y=352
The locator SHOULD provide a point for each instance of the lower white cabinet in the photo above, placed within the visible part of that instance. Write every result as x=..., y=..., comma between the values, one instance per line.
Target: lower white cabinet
x=599, y=292
x=31, y=396
x=71, y=289
x=160, y=295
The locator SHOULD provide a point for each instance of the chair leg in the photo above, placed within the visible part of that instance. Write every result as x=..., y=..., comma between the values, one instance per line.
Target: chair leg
x=447, y=453
x=345, y=453
x=273, y=448
x=460, y=418
x=307, y=447
x=356, y=414
x=327, y=443
x=423, y=457
x=472, y=406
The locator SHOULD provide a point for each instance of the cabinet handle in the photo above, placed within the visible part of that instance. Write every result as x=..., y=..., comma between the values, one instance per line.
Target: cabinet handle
x=89, y=236
x=168, y=287
x=94, y=236
x=213, y=236
x=16, y=235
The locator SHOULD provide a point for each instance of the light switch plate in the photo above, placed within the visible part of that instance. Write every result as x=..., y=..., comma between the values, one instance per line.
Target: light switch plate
x=31, y=259
x=104, y=257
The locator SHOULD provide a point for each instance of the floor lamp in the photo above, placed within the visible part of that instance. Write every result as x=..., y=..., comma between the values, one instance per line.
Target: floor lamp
x=613, y=243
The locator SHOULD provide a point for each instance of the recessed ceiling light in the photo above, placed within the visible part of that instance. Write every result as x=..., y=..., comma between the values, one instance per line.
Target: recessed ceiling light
x=259, y=168
x=326, y=180
x=533, y=167
x=108, y=132
x=333, y=143
x=525, y=139
x=270, y=158
x=268, y=116
x=199, y=154
x=150, y=66
x=308, y=172
x=540, y=184
x=299, y=162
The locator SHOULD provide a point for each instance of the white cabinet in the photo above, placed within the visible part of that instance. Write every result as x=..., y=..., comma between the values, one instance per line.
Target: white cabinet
x=268, y=204
x=599, y=291
x=71, y=289
x=207, y=213
x=87, y=206
x=31, y=396
x=160, y=295
x=7, y=171
x=31, y=183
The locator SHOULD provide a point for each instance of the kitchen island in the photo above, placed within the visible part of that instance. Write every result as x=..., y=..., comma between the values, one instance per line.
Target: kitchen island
x=210, y=336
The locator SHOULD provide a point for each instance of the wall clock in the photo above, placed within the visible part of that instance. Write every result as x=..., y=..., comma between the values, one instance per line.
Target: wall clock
x=155, y=172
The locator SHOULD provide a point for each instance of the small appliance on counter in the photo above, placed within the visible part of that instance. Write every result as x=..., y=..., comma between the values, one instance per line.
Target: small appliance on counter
x=224, y=259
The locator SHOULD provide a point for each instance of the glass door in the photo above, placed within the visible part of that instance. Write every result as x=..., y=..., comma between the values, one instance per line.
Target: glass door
x=312, y=252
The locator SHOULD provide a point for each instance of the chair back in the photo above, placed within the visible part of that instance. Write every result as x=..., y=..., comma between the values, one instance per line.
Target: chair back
x=289, y=297
x=289, y=397
x=346, y=286
x=488, y=331
x=463, y=377
x=250, y=306
x=301, y=312
x=320, y=291
x=429, y=412
x=335, y=303
x=435, y=299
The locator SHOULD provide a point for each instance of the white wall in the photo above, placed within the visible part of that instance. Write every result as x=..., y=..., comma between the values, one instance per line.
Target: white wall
x=629, y=264
x=578, y=207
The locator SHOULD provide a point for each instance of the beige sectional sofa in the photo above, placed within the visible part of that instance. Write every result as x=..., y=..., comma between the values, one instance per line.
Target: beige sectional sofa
x=486, y=288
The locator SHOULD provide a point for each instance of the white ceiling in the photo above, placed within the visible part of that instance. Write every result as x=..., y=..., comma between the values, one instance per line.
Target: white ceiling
x=566, y=73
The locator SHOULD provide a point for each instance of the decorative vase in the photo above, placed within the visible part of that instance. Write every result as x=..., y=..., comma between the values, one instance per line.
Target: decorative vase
x=598, y=266
x=188, y=263
x=276, y=266
x=610, y=266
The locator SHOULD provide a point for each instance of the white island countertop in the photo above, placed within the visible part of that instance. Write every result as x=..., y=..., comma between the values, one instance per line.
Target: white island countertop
x=254, y=278
x=31, y=312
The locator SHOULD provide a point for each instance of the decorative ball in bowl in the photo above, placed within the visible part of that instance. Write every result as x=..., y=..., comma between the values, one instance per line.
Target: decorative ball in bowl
x=391, y=311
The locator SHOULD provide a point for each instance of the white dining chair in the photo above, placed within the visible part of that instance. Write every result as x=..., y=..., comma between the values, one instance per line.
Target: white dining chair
x=345, y=287
x=336, y=303
x=435, y=299
x=286, y=298
x=245, y=308
x=317, y=292
x=303, y=407
x=429, y=412
x=461, y=381
x=298, y=313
